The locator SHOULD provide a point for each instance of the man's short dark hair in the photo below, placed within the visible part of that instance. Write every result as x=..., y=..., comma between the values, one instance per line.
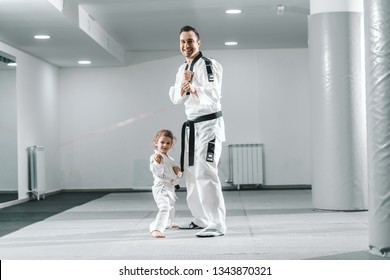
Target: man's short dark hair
x=188, y=28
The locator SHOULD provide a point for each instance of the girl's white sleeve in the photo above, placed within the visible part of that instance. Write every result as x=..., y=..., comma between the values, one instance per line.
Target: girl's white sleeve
x=156, y=168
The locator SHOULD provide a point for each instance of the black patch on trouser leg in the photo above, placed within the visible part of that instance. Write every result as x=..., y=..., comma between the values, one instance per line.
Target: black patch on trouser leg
x=210, y=151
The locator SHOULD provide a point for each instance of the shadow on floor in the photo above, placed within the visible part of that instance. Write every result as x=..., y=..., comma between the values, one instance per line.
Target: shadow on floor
x=21, y=215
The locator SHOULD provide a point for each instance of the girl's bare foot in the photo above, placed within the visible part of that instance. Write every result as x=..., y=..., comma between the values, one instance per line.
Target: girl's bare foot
x=174, y=226
x=157, y=234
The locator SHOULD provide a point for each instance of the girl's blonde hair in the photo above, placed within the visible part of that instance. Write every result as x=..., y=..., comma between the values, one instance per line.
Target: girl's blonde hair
x=166, y=133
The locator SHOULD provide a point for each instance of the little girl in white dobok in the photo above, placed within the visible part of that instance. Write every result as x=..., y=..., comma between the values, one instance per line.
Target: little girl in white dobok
x=166, y=174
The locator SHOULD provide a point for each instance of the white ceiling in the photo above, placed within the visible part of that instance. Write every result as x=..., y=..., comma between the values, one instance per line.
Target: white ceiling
x=127, y=28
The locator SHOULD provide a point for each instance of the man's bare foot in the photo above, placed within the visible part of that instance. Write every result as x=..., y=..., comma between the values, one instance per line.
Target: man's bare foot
x=157, y=234
x=174, y=226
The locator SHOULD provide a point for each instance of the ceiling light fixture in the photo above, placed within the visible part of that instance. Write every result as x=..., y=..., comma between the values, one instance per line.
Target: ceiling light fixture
x=84, y=62
x=279, y=9
x=42, y=37
x=231, y=43
x=12, y=64
x=233, y=11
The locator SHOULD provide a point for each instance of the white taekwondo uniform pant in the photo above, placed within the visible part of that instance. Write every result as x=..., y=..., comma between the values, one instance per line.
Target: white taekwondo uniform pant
x=165, y=200
x=204, y=192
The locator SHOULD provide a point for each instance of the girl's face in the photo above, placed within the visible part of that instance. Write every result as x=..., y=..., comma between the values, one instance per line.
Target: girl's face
x=163, y=144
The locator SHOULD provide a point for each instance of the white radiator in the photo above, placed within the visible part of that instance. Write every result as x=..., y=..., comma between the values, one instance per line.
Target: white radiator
x=36, y=172
x=246, y=164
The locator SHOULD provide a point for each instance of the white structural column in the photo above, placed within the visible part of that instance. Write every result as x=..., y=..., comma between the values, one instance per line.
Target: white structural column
x=339, y=134
x=377, y=33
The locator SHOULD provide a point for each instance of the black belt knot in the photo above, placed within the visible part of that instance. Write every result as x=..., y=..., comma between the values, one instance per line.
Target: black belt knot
x=191, y=142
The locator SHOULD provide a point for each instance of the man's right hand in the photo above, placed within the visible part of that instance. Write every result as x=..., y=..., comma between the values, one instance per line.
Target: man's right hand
x=186, y=83
x=187, y=76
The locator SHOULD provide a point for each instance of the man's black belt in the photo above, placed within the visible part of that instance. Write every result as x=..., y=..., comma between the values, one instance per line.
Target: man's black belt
x=191, y=143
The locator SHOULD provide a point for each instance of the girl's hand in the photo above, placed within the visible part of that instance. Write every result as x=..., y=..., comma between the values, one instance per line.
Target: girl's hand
x=177, y=170
x=158, y=158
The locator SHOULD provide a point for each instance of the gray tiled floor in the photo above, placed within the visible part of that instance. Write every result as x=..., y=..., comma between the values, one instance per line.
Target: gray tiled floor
x=262, y=224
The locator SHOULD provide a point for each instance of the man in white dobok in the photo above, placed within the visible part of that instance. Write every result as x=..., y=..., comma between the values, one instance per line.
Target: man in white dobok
x=198, y=87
